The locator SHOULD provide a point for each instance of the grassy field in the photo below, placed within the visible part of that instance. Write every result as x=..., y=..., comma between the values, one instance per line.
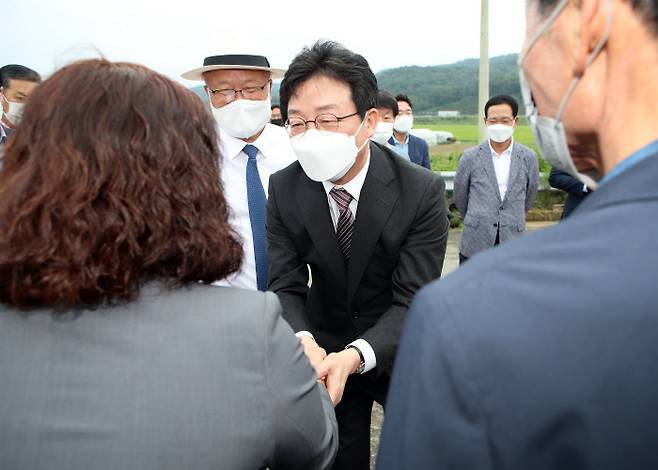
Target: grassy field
x=445, y=157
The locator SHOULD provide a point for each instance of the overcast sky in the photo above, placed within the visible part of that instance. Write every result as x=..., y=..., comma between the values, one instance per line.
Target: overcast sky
x=173, y=36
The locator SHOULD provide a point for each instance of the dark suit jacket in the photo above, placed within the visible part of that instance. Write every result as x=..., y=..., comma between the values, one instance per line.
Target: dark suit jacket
x=398, y=245
x=418, y=151
x=573, y=186
x=196, y=378
x=542, y=353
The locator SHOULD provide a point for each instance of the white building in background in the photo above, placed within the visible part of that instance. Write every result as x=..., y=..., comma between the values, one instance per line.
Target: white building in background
x=434, y=137
x=448, y=114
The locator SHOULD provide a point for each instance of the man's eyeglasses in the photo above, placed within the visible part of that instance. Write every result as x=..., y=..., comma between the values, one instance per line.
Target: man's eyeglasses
x=229, y=94
x=507, y=121
x=323, y=122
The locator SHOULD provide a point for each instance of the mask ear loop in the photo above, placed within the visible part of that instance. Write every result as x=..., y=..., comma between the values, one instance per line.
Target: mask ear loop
x=590, y=60
x=359, y=130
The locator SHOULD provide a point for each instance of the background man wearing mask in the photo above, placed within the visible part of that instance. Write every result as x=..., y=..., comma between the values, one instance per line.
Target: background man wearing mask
x=496, y=183
x=371, y=226
x=387, y=111
x=542, y=353
x=16, y=84
x=239, y=89
x=411, y=147
x=276, y=118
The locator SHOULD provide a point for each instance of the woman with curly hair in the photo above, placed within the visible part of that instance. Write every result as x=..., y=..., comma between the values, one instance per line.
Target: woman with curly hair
x=115, y=353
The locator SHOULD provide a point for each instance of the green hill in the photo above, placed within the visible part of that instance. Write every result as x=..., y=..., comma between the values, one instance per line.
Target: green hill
x=443, y=87
x=452, y=86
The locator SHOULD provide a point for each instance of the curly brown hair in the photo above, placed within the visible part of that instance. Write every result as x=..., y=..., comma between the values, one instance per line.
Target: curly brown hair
x=111, y=180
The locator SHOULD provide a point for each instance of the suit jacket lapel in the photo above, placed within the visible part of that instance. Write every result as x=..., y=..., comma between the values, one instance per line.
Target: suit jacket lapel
x=314, y=206
x=515, y=165
x=486, y=160
x=376, y=202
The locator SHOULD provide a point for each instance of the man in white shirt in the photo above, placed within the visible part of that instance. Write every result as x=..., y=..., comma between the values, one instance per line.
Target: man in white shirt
x=238, y=88
x=496, y=183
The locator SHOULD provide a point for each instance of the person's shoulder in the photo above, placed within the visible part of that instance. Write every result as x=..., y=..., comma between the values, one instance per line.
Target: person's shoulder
x=418, y=140
x=471, y=153
x=217, y=305
x=403, y=167
x=524, y=150
x=288, y=175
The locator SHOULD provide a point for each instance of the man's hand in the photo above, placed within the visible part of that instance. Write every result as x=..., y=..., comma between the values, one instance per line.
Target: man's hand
x=313, y=351
x=336, y=368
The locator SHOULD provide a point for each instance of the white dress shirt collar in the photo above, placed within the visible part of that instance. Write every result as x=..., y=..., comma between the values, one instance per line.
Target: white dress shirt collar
x=508, y=150
x=267, y=141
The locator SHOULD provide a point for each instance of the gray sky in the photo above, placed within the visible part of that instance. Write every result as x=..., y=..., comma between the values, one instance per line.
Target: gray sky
x=173, y=36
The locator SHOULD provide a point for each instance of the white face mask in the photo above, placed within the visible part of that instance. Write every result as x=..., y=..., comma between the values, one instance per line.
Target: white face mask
x=15, y=112
x=549, y=132
x=383, y=132
x=243, y=118
x=404, y=124
x=326, y=156
x=500, y=132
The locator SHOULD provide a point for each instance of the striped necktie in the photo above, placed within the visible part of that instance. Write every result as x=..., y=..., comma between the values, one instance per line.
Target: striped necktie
x=345, y=223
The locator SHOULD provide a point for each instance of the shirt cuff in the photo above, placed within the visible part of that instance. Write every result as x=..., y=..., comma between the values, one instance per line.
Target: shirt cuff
x=368, y=353
x=299, y=334
x=585, y=188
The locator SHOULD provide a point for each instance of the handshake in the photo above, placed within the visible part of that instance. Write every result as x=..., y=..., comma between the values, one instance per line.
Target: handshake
x=332, y=370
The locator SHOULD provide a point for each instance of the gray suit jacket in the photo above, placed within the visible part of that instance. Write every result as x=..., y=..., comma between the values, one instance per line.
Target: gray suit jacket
x=477, y=197
x=195, y=378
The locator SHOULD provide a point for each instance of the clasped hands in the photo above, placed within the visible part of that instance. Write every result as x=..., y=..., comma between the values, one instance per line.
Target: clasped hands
x=331, y=369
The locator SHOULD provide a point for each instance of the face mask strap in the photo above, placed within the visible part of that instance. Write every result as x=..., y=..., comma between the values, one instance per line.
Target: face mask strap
x=590, y=60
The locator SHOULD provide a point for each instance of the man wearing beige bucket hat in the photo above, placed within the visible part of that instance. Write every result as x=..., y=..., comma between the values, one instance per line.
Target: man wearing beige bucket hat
x=239, y=88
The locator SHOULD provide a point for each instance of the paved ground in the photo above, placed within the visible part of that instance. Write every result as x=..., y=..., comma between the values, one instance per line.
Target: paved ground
x=450, y=263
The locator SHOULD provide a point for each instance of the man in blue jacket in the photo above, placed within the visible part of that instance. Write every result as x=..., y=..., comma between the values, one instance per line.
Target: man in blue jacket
x=542, y=353
x=411, y=147
x=575, y=189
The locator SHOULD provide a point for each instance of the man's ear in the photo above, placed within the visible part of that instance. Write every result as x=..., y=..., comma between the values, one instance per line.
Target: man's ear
x=593, y=19
x=371, y=121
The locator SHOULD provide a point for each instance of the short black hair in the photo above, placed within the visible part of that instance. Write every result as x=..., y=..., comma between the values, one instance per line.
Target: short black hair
x=404, y=98
x=502, y=99
x=646, y=9
x=386, y=101
x=332, y=60
x=17, y=72
x=274, y=106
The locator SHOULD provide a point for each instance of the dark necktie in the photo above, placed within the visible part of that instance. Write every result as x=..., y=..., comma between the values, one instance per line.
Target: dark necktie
x=345, y=220
x=257, y=202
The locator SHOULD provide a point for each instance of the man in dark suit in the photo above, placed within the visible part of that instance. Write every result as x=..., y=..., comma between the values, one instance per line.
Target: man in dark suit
x=576, y=190
x=542, y=353
x=371, y=227
x=409, y=146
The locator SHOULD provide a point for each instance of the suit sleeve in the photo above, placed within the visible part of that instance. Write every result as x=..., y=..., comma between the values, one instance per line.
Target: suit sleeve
x=432, y=416
x=420, y=262
x=562, y=180
x=461, y=185
x=287, y=274
x=533, y=181
x=304, y=428
x=426, y=162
